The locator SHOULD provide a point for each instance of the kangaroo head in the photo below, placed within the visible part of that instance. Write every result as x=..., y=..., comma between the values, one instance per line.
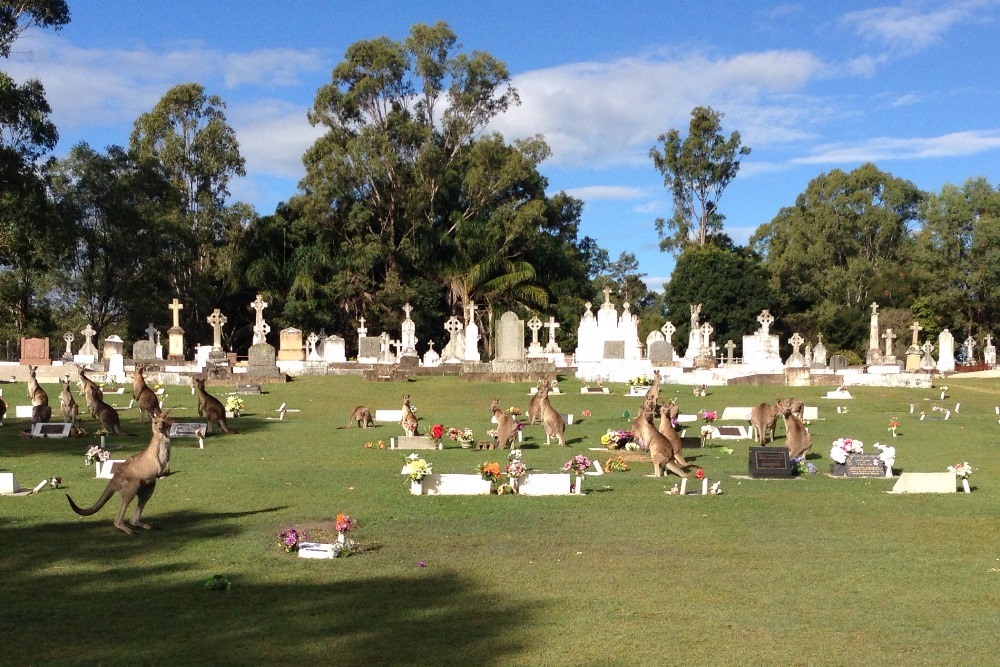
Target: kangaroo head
x=495, y=405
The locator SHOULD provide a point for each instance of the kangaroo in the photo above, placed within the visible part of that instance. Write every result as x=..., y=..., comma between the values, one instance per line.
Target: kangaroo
x=90, y=390
x=552, y=421
x=762, y=421
x=149, y=404
x=797, y=438
x=361, y=416
x=663, y=453
x=136, y=478
x=3, y=410
x=110, y=419
x=506, y=426
x=534, y=411
x=35, y=392
x=211, y=408
x=67, y=404
x=653, y=393
x=409, y=420
x=797, y=407
x=668, y=413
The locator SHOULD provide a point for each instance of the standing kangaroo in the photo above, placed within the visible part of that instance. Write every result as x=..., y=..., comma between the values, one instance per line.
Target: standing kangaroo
x=409, y=420
x=797, y=438
x=662, y=451
x=763, y=418
x=797, y=407
x=668, y=413
x=534, y=411
x=90, y=390
x=41, y=411
x=552, y=421
x=362, y=417
x=506, y=426
x=136, y=478
x=653, y=393
x=67, y=404
x=211, y=408
x=149, y=404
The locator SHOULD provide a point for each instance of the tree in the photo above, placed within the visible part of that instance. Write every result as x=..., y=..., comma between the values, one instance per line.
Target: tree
x=17, y=17
x=696, y=170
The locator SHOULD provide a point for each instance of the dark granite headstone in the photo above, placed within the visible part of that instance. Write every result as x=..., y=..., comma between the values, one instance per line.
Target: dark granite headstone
x=660, y=353
x=248, y=390
x=860, y=465
x=261, y=361
x=186, y=429
x=770, y=462
x=614, y=349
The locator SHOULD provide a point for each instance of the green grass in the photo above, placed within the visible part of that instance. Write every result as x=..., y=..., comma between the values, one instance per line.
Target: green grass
x=816, y=571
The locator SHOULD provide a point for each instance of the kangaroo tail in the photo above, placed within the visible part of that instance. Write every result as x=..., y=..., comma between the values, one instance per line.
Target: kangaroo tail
x=96, y=507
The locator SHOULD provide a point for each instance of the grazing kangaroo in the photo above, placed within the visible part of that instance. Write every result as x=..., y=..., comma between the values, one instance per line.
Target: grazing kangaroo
x=409, y=420
x=136, y=478
x=211, y=408
x=149, y=404
x=534, y=411
x=762, y=421
x=506, y=426
x=552, y=421
x=797, y=438
x=362, y=417
x=90, y=390
x=663, y=453
x=67, y=404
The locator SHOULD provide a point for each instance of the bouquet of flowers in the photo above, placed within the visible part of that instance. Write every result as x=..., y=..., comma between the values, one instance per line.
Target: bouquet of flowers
x=709, y=415
x=290, y=538
x=803, y=467
x=638, y=381
x=461, y=435
x=235, y=404
x=437, y=431
x=344, y=523
x=515, y=467
x=893, y=425
x=707, y=430
x=514, y=411
x=95, y=453
x=962, y=470
x=616, y=465
x=490, y=471
x=577, y=464
x=55, y=482
x=617, y=438
x=415, y=467
x=886, y=453
x=844, y=446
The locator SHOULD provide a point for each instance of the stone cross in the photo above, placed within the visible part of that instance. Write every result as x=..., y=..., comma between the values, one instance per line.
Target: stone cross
x=552, y=326
x=151, y=332
x=587, y=314
x=730, y=346
x=89, y=333
x=177, y=307
x=988, y=340
x=397, y=345
x=916, y=329
x=260, y=331
x=407, y=309
x=889, y=337
x=706, y=333
x=874, y=308
x=453, y=326
x=970, y=347
x=928, y=347
x=69, y=338
x=259, y=305
x=534, y=324
x=607, y=295
x=715, y=349
x=766, y=319
x=311, y=341
x=362, y=330
x=472, y=312
x=668, y=330
x=796, y=342
x=217, y=319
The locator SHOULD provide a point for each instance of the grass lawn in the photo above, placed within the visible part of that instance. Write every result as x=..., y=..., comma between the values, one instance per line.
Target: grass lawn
x=812, y=571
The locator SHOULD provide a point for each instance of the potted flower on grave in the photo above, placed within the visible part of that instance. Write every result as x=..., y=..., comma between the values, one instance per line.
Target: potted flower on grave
x=96, y=455
x=416, y=469
x=490, y=472
x=463, y=437
x=516, y=470
x=234, y=406
x=888, y=456
x=577, y=466
x=616, y=464
x=343, y=524
x=893, y=425
x=436, y=433
x=290, y=538
x=962, y=471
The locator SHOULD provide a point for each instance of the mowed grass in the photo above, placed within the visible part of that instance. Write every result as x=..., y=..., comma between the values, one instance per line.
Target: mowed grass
x=815, y=571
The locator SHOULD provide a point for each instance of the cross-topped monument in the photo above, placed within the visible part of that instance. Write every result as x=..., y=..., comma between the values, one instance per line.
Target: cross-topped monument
x=916, y=329
x=68, y=337
x=668, y=330
x=175, y=334
x=889, y=337
x=176, y=306
x=534, y=324
x=970, y=349
x=260, y=327
x=217, y=319
x=730, y=346
x=552, y=347
x=150, y=333
x=766, y=319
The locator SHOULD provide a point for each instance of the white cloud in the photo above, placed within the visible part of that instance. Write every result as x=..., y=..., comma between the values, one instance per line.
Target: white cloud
x=913, y=26
x=603, y=192
x=955, y=144
x=273, y=137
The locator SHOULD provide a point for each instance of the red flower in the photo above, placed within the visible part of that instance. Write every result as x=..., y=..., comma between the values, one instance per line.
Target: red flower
x=437, y=431
x=700, y=474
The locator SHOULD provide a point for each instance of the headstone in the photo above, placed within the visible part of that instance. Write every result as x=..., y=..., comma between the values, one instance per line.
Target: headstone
x=796, y=360
x=770, y=462
x=510, y=338
x=819, y=353
x=261, y=361
x=260, y=327
x=660, y=353
x=925, y=482
x=874, y=357
x=552, y=347
x=589, y=344
x=217, y=320
x=927, y=362
x=151, y=333
x=248, y=390
x=614, y=349
x=186, y=429
x=116, y=368
x=431, y=358
x=970, y=350
x=535, y=348
x=889, y=358
x=144, y=350
x=175, y=334
x=35, y=352
x=368, y=349
x=454, y=349
x=730, y=347
x=312, y=354
x=472, y=336
x=859, y=465
x=51, y=430
x=334, y=349
x=409, y=333
x=946, y=352
x=87, y=350
x=989, y=351
x=290, y=345
x=838, y=362
x=68, y=354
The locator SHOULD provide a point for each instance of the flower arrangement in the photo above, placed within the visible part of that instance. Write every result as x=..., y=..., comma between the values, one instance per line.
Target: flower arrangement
x=893, y=425
x=490, y=471
x=844, y=446
x=55, y=482
x=577, y=464
x=700, y=474
x=97, y=454
x=962, y=470
x=437, y=430
x=586, y=413
x=706, y=431
x=638, y=381
x=375, y=445
x=290, y=538
x=461, y=435
x=344, y=523
x=887, y=454
x=616, y=465
x=617, y=438
x=515, y=467
x=514, y=411
x=803, y=467
x=709, y=415
x=415, y=467
x=492, y=434
x=235, y=404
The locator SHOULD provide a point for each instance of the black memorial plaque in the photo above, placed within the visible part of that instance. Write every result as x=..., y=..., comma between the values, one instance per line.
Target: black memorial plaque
x=770, y=462
x=859, y=465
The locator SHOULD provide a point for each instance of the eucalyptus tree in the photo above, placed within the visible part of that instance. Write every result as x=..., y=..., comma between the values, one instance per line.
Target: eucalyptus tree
x=17, y=17
x=696, y=170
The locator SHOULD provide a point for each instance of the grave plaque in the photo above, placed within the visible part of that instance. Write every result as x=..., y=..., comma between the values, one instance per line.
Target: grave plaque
x=248, y=390
x=859, y=465
x=614, y=349
x=186, y=429
x=770, y=462
x=660, y=353
x=51, y=430
x=369, y=348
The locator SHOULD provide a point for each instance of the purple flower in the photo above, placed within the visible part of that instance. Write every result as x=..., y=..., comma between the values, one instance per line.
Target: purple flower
x=421, y=564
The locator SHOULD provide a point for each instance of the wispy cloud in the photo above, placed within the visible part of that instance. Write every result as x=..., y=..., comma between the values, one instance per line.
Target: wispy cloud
x=955, y=144
x=913, y=26
x=605, y=192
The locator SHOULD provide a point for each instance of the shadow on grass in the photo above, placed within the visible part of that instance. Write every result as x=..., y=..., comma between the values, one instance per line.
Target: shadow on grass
x=78, y=592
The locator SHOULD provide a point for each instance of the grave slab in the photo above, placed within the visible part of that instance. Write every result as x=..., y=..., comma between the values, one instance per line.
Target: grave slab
x=735, y=414
x=770, y=462
x=550, y=484
x=317, y=550
x=451, y=484
x=925, y=482
x=594, y=390
x=414, y=442
x=389, y=416
x=51, y=430
x=187, y=429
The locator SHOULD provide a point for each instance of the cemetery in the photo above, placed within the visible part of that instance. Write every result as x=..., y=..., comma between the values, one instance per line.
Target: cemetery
x=893, y=503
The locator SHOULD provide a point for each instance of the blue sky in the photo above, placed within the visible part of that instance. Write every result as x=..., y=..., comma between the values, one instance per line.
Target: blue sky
x=912, y=86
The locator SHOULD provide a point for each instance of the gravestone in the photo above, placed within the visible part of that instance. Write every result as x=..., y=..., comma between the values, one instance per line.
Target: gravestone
x=874, y=357
x=510, y=338
x=838, y=362
x=175, y=334
x=368, y=349
x=112, y=345
x=35, y=352
x=660, y=353
x=989, y=351
x=68, y=354
x=946, y=352
x=261, y=361
x=535, y=347
x=925, y=482
x=796, y=360
x=770, y=462
x=334, y=349
x=144, y=350
x=260, y=327
x=913, y=351
x=116, y=367
x=819, y=353
x=217, y=320
x=454, y=349
x=409, y=333
x=472, y=336
x=431, y=358
x=614, y=349
x=290, y=345
x=859, y=465
x=87, y=352
x=312, y=354
x=248, y=390
x=187, y=429
x=552, y=347
x=927, y=362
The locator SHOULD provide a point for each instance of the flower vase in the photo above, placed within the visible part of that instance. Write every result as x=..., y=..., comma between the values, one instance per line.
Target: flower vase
x=230, y=414
x=515, y=484
x=578, y=487
x=466, y=444
x=888, y=471
x=341, y=537
x=894, y=433
x=416, y=487
x=704, y=486
x=965, y=485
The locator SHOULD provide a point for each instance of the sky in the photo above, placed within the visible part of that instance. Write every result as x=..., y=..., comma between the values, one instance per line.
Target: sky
x=912, y=86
